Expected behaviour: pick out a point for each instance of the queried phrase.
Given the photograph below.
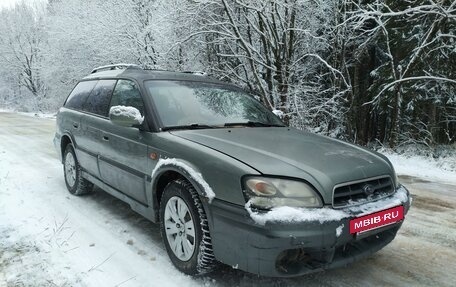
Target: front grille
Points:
(357, 192)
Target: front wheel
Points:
(76, 184)
(185, 230)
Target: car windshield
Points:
(186, 104)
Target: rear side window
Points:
(127, 93)
(79, 95)
(99, 99)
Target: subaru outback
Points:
(223, 176)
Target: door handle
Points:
(105, 138)
(75, 125)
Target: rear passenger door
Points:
(123, 162)
(93, 123)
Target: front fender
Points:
(187, 170)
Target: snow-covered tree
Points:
(21, 37)
(368, 71)
(412, 46)
(275, 48)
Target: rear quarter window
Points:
(79, 95)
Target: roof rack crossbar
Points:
(115, 67)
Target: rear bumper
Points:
(281, 249)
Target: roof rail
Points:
(115, 67)
(198, 73)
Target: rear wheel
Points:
(76, 184)
(185, 230)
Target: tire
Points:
(189, 224)
(72, 171)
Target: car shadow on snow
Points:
(121, 218)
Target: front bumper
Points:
(282, 249)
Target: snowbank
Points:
(31, 114)
(196, 176)
(442, 169)
(40, 115)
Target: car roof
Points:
(141, 75)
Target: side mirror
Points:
(125, 116)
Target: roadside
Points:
(48, 237)
(441, 169)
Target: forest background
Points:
(374, 72)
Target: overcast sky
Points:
(9, 3)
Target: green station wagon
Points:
(223, 176)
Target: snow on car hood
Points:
(322, 161)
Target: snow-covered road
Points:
(50, 238)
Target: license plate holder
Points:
(376, 220)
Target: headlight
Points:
(268, 192)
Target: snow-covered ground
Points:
(48, 237)
(31, 114)
(424, 167)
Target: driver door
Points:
(123, 164)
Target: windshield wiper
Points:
(252, 124)
(196, 126)
(187, 127)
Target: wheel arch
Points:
(64, 141)
(166, 174)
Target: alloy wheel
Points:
(70, 169)
(179, 228)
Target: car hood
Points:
(320, 160)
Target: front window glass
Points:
(181, 103)
(127, 94)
